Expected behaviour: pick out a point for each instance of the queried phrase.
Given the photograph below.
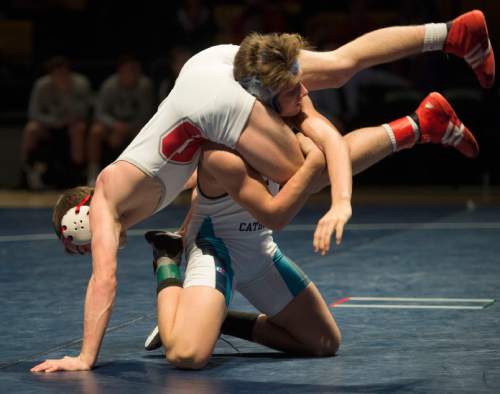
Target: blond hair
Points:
(270, 58)
(69, 199)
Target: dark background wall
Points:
(93, 33)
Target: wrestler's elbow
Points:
(275, 220)
(103, 178)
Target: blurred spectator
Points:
(337, 22)
(259, 16)
(60, 102)
(195, 24)
(178, 55)
(4, 69)
(124, 104)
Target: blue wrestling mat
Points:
(398, 286)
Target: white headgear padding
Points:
(75, 225)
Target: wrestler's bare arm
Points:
(123, 196)
(330, 141)
(249, 190)
(269, 145)
(101, 288)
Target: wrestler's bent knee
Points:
(327, 344)
(186, 358)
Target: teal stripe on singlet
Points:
(210, 244)
(295, 279)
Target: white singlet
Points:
(205, 103)
(227, 248)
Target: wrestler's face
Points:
(290, 99)
(77, 249)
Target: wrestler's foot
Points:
(439, 124)
(468, 38)
(167, 249)
(165, 245)
(153, 341)
(434, 121)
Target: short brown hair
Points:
(69, 199)
(270, 58)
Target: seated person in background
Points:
(60, 101)
(124, 104)
(178, 55)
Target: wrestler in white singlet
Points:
(228, 249)
(205, 103)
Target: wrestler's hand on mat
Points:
(333, 221)
(62, 364)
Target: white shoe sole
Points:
(153, 341)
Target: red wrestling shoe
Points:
(468, 38)
(439, 124)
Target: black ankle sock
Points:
(167, 283)
(239, 324)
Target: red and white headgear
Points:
(75, 224)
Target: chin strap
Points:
(75, 224)
(85, 199)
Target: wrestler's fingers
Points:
(319, 236)
(41, 367)
(339, 231)
(36, 368)
(327, 236)
(323, 234)
(316, 240)
(321, 239)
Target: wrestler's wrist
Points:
(87, 359)
(343, 200)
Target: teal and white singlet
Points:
(228, 249)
